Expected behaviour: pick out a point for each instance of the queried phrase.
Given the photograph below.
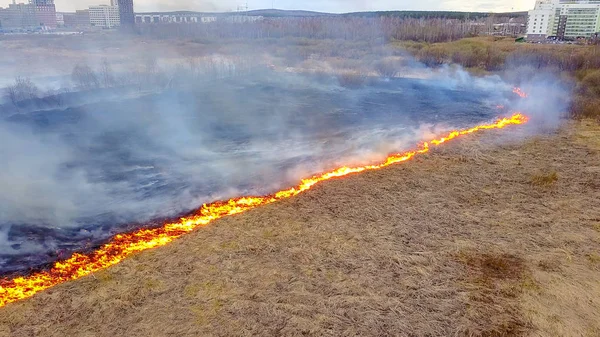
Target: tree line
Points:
(384, 28)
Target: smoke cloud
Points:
(79, 166)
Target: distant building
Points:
(243, 18)
(511, 27)
(35, 13)
(45, 12)
(104, 16)
(192, 17)
(79, 19)
(18, 16)
(564, 19)
(175, 17)
(60, 19)
(126, 14)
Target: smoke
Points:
(188, 132)
(548, 101)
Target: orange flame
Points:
(124, 245)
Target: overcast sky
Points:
(314, 5)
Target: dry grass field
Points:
(484, 237)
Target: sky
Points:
(333, 6)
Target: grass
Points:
(545, 179)
(430, 247)
(549, 265)
(494, 282)
(594, 258)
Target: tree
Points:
(106, 74)
(23, 89)
(85, 77)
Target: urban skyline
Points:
(333, 6)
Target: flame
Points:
(520, 92)
(124, 245)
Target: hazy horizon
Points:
(331, 6)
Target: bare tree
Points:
(23, 89)
(85, 77)
(151, 65)
(106, 74)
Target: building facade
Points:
(35, 13)
(79, 19)
(17, 16)
(145, 18)
(564, 19)
(126, 13)
(45, 12)
(60, 19)
(104, 16)
(541, 20)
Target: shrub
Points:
(585, 107)
(85, 77)
(586, 103)
(386, 68)
(433, 55)
(23, 89)
(591, 83)
(352, 79)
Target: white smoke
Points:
(124, 156)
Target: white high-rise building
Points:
(541, 19)
(568, 19)
(105, 16)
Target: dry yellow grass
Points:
(545, 179)
(459, 242)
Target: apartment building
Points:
(104, 16)
(126, 13)
(79, 19)
(45, 12)
(35, 13)
(564, 19)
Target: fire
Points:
(124, 245)
(520, 92)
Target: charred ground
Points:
(475, 239)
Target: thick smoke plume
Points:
(123, 147)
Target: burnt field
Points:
(88, 165)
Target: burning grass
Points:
(124, 245)
(522, 60)
(434, 247)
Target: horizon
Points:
(326, 6)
